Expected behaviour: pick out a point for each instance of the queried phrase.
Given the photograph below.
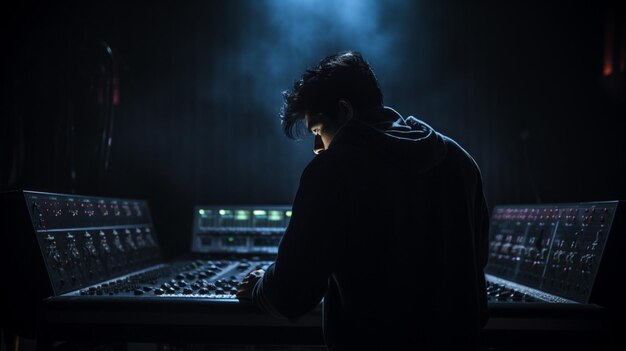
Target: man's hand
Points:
(244, 291)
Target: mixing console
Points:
(108, 247)
(94, 261)
(550, 253)
(81, 246)
(213, 279)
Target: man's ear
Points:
(346, 111)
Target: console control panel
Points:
(85, 239)
(199, 278)
(555, 249)
(239, 229)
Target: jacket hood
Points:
(407, 141)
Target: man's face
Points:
(323, 130)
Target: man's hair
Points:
(344, 75)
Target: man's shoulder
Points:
(460, 154)
(452, 144)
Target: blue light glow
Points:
(280, 38)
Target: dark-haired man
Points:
(389, 223)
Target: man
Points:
(389, 223)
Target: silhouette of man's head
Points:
(325, 88)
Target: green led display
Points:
(242, 215)
(276, 216)
(259, 213)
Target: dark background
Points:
(189, 95)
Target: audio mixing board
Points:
(555, 253)
(102, 254)
(81, 261)
(104, 246)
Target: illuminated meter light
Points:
(242, 215)
(276, 216)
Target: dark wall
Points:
(190, 92)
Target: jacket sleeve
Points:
(298, 279)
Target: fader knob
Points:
(560, 256)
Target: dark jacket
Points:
(390, 227)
